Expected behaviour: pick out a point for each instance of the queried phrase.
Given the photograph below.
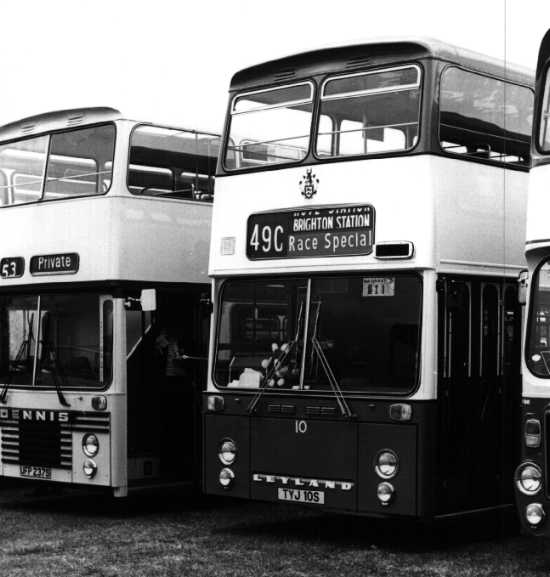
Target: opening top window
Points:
(55, 166)
(270, 126)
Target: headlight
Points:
(385, 493)
(228, 451)
(534, 513)
(386, 464)
(529, 479)
(90, 445)
(89, 467)
(226, 477)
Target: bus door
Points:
(511, 389)
(166, 356)
(486, 428)
(455, 395)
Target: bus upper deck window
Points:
(177, 164)
(375, 112)
(22, 166)
(544, 129)
(270, 126)
(484, 118)
(80, 162)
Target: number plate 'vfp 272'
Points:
(311, 232)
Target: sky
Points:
(171, 61)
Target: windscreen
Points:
(55, 166)
(357, 333)
(370, 113)
(56, 340)
(270, 127)
(538, 337)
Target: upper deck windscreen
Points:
(59, 165)
(270, 126)
(360, 114)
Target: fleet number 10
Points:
(267, 238)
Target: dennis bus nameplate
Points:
(335, 231)
(66, 263)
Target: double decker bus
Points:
(104, 232)
(366, 241)
(532, 475)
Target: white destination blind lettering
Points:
(379, 286)
(46, 264)
(335, 231)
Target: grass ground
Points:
(87, 536)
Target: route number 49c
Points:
(267, 238)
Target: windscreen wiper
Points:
(342, 403)
(282, 359)
(5, 388)
(53, 370)
(59, 390)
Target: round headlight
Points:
(534, 513)
(385, 493)
(228, 451)
(386, 464)
(90, 445)
(226, 477)
(89, 467)
(529, 479)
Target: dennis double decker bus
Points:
(366, 240)
(532, 475)
(103, 261)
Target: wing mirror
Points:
(523, 285)
(146, 302)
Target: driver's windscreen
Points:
(364, 332)
(538, 342)
(69, 346)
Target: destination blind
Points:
(315, 232)
(66, 263)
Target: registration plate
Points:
(302, 496)
(35, 472)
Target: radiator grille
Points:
(46, 443)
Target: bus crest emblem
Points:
(308, 184)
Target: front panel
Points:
(303, 450)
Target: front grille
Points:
(46, 442)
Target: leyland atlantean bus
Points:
(366, 241)
(104, 232)
(532, 475)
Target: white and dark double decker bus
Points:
(532, 475)
(104, 232)
(366, 241)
